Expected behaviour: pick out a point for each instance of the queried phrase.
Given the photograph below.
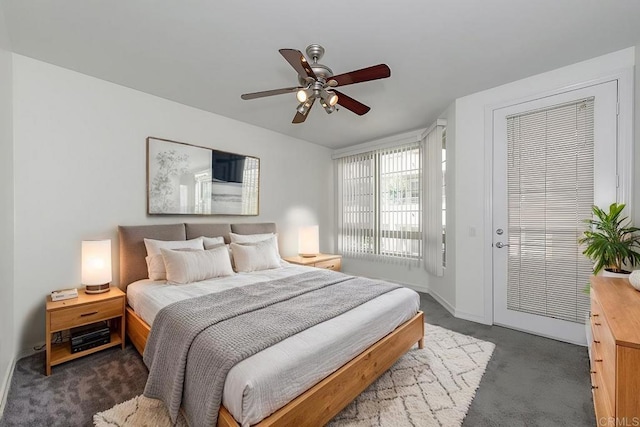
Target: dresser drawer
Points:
(332, 264)
(604, 350)
(87, 313)
(601, 402)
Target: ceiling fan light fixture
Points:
(329, 97)
(328, 108)
(302, 95)
(303, 108)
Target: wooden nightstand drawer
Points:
(85, 314)
(332, 264)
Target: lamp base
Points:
(97, 289)
(308, 255)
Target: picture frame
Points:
(185, 179)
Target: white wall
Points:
(471, 198)
(80, 171)
(6, 212)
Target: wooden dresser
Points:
(615, 352)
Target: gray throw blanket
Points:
(194, 343)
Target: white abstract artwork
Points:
(184, 179)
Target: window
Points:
(380, 203)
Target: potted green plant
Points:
(611, 241)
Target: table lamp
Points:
(308, 241)
(96, 266)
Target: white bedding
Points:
(266, 381)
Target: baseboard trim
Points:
(417, 288)
(471, 317)
(5, 385)
(580, 342)
(443, 302)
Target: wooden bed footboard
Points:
(318, 405)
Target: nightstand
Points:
(328, 261)
(84, 310)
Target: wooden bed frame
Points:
(314, 407)
(318, 405)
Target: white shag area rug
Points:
(429, 387)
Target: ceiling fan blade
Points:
(298, 62)
(380, 71)
(299, 117)
(351, 104)
(262, 94)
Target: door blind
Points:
(549, 191)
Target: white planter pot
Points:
(634, 279)
(606, 273)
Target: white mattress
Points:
(266, 381)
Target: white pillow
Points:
(216, 242)
(155, 265)
(155, 262)
(255, 238)
(187, 267)
(256, 256)
(154, 246)
(212, 242)
(249, 238)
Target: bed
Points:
(315, 395)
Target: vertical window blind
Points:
(380, 204)
(550, 191)
(434, 202)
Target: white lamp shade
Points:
(96, 262)
(308, 240)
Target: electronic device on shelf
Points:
(89, 336)
(63, 294)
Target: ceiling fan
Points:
(316, 82)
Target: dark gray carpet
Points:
(530, 381)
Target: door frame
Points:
(624, 160)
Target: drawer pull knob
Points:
(595, 315)
(330, 267)
(593, 387)
(592, 372)
(597, 324)
(89, 314)
(598, 360)
(596, 341)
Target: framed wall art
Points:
(184, 179)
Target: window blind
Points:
(380, 204)
(434, 202)
(550, 191)
(356, 221)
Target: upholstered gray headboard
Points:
(133, 252)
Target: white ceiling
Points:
(206, 53)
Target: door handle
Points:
(500, 245)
